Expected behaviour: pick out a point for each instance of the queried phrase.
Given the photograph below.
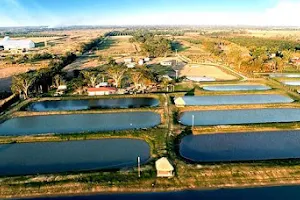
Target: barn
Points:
(9, 44)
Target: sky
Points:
(55, 13)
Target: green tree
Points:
(21, 83)
(117, 73)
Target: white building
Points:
(128, 60)
(141, 62)
(101, 91)
(166, 63)
(130, 65)
(9, 44)
(164, 168)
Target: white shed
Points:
(166, 63)
(141, 62)
(128, 60)
(164, 168)
(179, 102)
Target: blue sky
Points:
(148, 12)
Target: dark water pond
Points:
(89, 104)
(263, 193)
(76, 123)
(241, 146)
(243, 116)
(53, 157)
(236, 99)
(236, 87)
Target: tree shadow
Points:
(106, 44)
(191, 92)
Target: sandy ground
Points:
(196, 70)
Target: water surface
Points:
(241, 146)
(54, 157)
(75, 123)
(243, 116)
(236, 99)
(262, 193)
(236, 87)
(291, 83)
(88, 104)
(285, 75)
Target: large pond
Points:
(236, 87)
(291, 83)
(260, 193)
(54, 157)
(88, 104)
(243, 116)
(236, 99)
(241, 146)
(285, 75)
(76, 123)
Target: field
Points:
(197, 70)
(118, 46)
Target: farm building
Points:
(128, 60)
(166, 63)
(141, 62)
(130, 65)
(101, 91)
(9, 44)
(164, 168)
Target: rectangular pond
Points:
(76, 123)
(236, 87)
(235, 99)
(291, 83)
(88, 104)
(283, 75)
(243, 116)
(54, 157)
(241, 146)
(259, 193)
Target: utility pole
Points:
(139, 166)
(193, 121)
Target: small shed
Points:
(166, 63)
(128, 60)
(130, 65)
(179, 102)
(164, 168)
(141, 62)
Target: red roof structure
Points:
(102, 89)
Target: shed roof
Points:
(163, 164)
(179, 101)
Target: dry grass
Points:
(198, 70)
(118, 45)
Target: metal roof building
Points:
(10, 44)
